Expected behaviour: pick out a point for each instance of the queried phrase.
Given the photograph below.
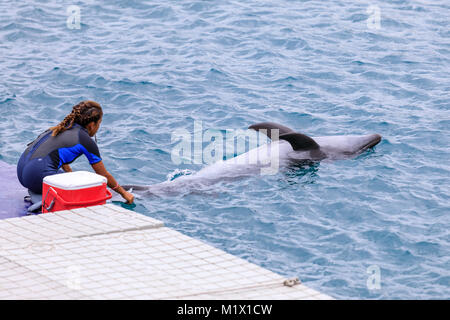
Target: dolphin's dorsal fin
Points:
(269, 126)
(297, 140)
(300, 141)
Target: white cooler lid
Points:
(75, 180)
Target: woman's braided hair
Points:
(83, 113)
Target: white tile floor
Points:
(108, 252)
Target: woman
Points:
(60, 145)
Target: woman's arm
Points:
(100, 169)
(66, 168)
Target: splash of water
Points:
(178, 173)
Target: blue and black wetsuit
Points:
(45, 155)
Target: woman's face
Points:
(93, 127)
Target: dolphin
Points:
(318, 148)
(286, 147)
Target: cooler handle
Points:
(57, 196)
(51, 203)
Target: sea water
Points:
(376, 226)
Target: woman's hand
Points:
(128, 196)
(100, 169)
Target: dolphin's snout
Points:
(375, 139)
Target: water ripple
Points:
(314, 66)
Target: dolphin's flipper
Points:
(299, 141)
(269, 126)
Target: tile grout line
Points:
(156, 225)
(43, 276)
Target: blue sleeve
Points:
(92, 157)
(89, 148)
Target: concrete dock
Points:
(108, 252)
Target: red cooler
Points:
(73, 190)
